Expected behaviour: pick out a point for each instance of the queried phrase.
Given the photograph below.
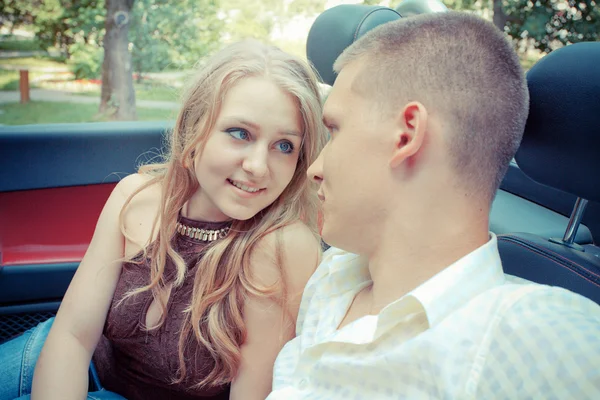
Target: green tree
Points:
(543, 24)
(117, 94)
(552, 23)
(259, 18)
(458, 5)
(58, 23)
(17, 12)
(305, 7)
(251, 19)
(165, 34)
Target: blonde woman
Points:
(192, 281)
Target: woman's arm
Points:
(267, 330)
(62, 369)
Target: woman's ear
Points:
(411, 128)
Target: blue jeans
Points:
(17, 363)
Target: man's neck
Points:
(402, 262)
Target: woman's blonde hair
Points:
(223, 278)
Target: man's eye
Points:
(238, 133)
(285, 147)
(331, 129)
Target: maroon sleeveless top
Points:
(141, 364)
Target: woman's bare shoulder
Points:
(135, 181)
(142, 211)
(300, 255)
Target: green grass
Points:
(50, 112)
(9, 79)
(20, 45)
(46, 62)
(145, 91)
(148, 91)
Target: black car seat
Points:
(561, 149)
(340, 26)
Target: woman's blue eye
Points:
(238, 133)
(285, 147)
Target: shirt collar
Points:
(345, 271)
(445, 292)
(454, 286)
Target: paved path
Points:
(65, 97)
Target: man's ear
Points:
(411, 124)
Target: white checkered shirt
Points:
(470, 332)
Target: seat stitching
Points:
(365, 17)
(578, 273)
(559, 264)
(566, 260)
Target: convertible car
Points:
(55, 178)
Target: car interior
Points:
(55, 178)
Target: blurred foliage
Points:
(258, 19)
(56, 23)
(163, 33)
(542, 24)
(174, 35)
(12, 44)
(85, 61)
(548, 24)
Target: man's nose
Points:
(256, 162)
(315, 171)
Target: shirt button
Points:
(303, 384)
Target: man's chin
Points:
(328, 235)
(341, 237)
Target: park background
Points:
(76, 51)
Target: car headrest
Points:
(561, 143)
(339, 27)
(407, 8)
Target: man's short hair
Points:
(460, 67)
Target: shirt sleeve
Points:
(545, 346)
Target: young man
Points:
(425, 116)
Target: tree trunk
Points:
(105, 94)
(499, 15)
(117, 76)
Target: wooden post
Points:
(24, 85)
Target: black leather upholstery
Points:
(561, 146)
(519, 184)
(339, 27)
(536, 259)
